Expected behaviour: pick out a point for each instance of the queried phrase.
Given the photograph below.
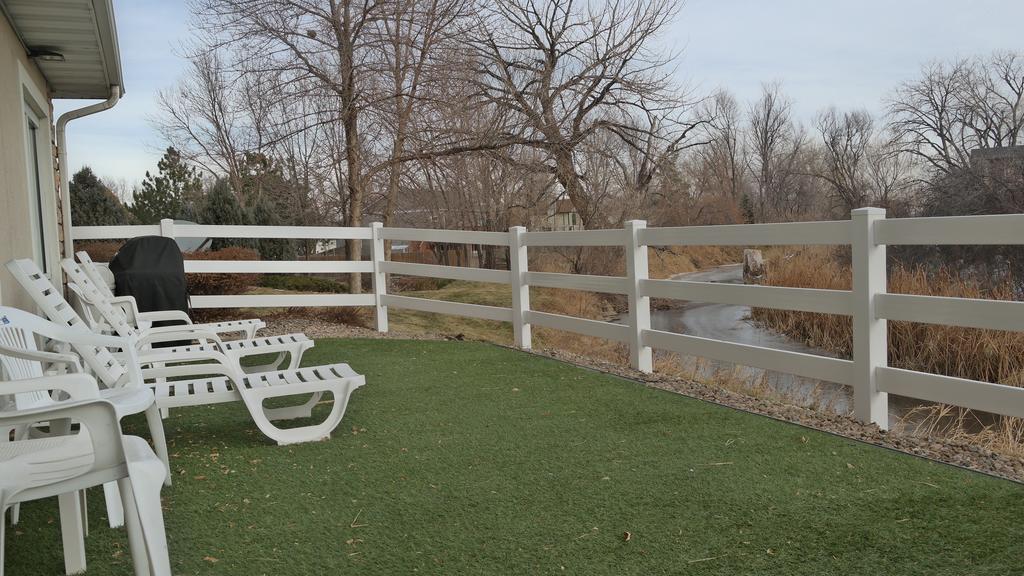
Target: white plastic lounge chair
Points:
(20, 359)
(229, 384)
(98, 453)
(143, 320)
(48, 298)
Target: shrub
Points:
(99, 251)
(199, 284)
(417, 284)
(298, 283)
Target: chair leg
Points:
(71, 532)
(115, 511)
(156, 431)
(146, 485)
(3, 529)
(84, 502)
(136, 540)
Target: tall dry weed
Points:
(986, 355)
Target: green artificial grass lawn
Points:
(466, 458)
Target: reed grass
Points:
(986, 355)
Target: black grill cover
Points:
(151, 269)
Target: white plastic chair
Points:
(213, 376)
(113, 318)
(143, 320)
(98, 453)
(20, 359)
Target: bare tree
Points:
(199, 116)
(959, 106)
(861, 166)
(563, 70)
(774, 143)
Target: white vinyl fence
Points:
(867, 232)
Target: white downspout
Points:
(62, 160)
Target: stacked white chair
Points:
(112, 318)
(144, 320)
(21, 359)
(204, 376)
(61, 463)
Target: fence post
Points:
(641, 357)
(518, 265)
(380, 282)
(870, 339)
(167, 228)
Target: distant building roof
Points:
(1002, 152)
(564, 206)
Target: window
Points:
(40, 238)
(35, 191)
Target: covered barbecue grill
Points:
(151, 269)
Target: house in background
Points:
(562, 215)
(49, 49)
(1003, 165)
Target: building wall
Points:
(23, 91)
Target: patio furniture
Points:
(21, 359)
(229, 384)
(144, 320)
(50, 301)
(62, 465)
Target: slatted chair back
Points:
(108, 369)
(16, 337)
(93, 271)
(92, 298)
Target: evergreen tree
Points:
(173, 193)
(220, 206)
(263, 214)
(92, 202)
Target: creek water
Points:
(733, 323)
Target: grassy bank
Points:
(987, 355)
(464, 458)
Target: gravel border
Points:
(954, 452)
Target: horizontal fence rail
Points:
(867, 233)
(453, 308)
(798, 363)
(583, 282)
(447, 236)
(799, 299)
(788, 234)
(447, 272)
(996, 229)
(276, 267)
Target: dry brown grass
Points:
(663, 263)
(986, 355)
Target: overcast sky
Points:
(847, 53)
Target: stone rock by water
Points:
(753, 266)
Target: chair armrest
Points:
(193, 363)
(164, 315)
(76, 386)
(72, 362)
(98, 416)
(128, 306)
(155, 335)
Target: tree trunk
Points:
(565, 172)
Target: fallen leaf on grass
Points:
(211, 559)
